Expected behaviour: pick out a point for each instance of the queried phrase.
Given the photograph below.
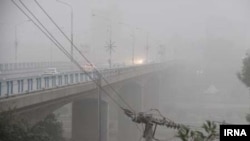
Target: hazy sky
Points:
(177, 24)
(211, 34)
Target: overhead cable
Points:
(87, 60)
(54, 41)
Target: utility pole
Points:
(99, 107)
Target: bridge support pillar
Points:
(150, 94)
(131, 93)
(85, 120)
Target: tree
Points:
(183, 133)
(49, 128)
(12, 128)
(209, 133)
(210, 128)
(244, 75)
(248, 118)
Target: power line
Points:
(52, 38)
(64, 51)
(152, 122)
(55, 41)
(37, 25)
(108, 84)
(55, 38)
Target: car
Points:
(89, 67)
(51, 71)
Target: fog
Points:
(186, 28)
(209, 37)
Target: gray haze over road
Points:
(209, 36)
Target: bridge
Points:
(35, 97)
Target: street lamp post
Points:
(133, 48)
(110, 44)
(16, 40)
(72, 36)
(147, 48)
(133, 41)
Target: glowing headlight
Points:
(139, 61)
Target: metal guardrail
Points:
(24, 85)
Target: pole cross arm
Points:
(148, 118)
(150, 122)
(128, 113)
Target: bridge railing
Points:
(25, 85)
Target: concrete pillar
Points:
(64, 115)
(85, 120)
(151, 92)
(113, 122)
(131, 92)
